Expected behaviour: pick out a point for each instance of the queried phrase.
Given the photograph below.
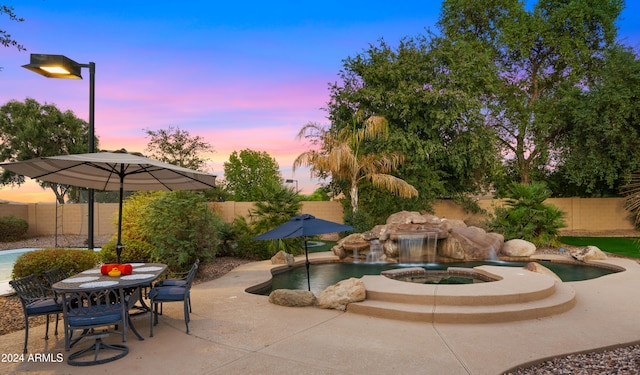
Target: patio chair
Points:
(35, 302)
(182, 281)
(88, 310)
(170, 293)
(53, 276)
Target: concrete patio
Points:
(234, 332)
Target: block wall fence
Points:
(583, 216)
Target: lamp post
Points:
(290, 181)
(59, 66)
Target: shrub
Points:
(12, 228)
(71, 261)
(277, 205)
(360, 220)
(181, 228)
(243, 245)
(133, 214)
(228, 233)
(525, 215)
(133, 250)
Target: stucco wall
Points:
(584, 216)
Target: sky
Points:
(241, 75)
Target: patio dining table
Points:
(142, 275)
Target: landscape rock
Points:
(352, 238)
(380, 232)
(518, 248)
(283, 257)
(339, 252)
(476, 243)
(539, 268)
(451, 223)
(451, 247)
(406, 217)
(588, 253)
(292, 298)
(339, 295)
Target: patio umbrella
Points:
(304, 225)
(112, 170)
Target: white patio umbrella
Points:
(112, 170)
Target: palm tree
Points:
(342, 157)
(631, 190)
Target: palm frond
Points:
(393, 184)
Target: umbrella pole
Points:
(119, 243)
(306, 253)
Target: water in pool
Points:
(7, 259)
(326, 274)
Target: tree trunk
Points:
(354, 197)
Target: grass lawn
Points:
(625, 246)
(326, 247)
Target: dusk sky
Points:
(240, 75)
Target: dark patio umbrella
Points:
(304, 225)
(116, 170)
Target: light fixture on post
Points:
(59, 66)
(290, 181)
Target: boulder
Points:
(391, 249)
(283, 257)
(406, 217)
(342, 251)
(450, 247)
(292, 298)
(432, 219)
(452, 223)
(539, 268)
(339, 252)
(352, 238)
(518, 248)
(338, 296)
(476, 243)
(380, 232)
(588, 253)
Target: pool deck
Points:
(234, 332)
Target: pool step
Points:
(519, 295)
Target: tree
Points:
(320, 194)
(248, 171)
(277, 205)
(343, 157)
(29, 130)
(178, 147)
(535, 57)
(526, 216)
(631, 191)
(435, 121)
(600, 146)
(5, 37)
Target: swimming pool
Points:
(324, 274)
(8, 259)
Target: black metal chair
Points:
(35, 302)
(89, 310)
(172, 293)
(53, 276)
(180, 281)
